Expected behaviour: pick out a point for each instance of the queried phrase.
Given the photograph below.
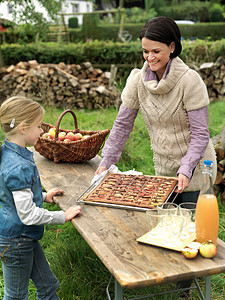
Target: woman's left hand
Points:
(51, 193)
(183, 183)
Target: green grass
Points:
(81, 274)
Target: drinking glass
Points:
(189, 206)
(168, 208)
(173, 226)
(187, 221)
(155, 223)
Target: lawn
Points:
(82, 275)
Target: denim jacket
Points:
(17, 172)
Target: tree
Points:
(29, 16)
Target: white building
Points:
(76, 6)
(70, 6)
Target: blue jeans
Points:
(23, 259)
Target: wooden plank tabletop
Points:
(112, 233)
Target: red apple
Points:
(77, 136)
(67, 141)
(189, 252)
(70, 135)
(47, 136)
(208, 249)
(62, 136)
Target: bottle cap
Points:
(208, 163)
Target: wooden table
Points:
(112, 234)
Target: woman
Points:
(173, 100)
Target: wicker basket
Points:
(75, 151)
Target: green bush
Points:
(208, 31)
(73, 22)
(201, 51)
(89, 27)
(138, 15)
(189, 10)
(105, 53)
(94, 30)
(216, 13)
(199, 30)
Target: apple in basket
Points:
(62, 136)
(52, 131)
(70, 136)
(77, 136)
(47, 136)
(86, 136)
(67, 141)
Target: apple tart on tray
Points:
(130, 191)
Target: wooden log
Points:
(221, 165)
(47, 81)
(223, 179)
(218, 189)
(219, 176)
(219, 140)
(219, 153)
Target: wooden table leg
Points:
(118, 291)
(207, 287)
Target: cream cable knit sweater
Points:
(164, 107)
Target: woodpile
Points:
(219, 146)
(60, 85)
(213, 74)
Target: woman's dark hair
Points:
(163, 30)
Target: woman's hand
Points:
(183, 183)
(72, 212)
(51, 193)
(100, 170)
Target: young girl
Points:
(22, 216)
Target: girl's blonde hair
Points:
(17, 110)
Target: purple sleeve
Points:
(198, 120)
(119, 135)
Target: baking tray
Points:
(95, 184)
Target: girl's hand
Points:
(51, 193)
(100, 170)
(183, 183)
(72, 212)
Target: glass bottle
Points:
(207, 211)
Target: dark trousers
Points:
(185, 197)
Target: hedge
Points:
(212, 31)
(99, 52)
(95, 31)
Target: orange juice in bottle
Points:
(207, 211)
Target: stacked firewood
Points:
(219, 146)
(213, 74)
(60, 85)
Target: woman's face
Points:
(157, 55)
